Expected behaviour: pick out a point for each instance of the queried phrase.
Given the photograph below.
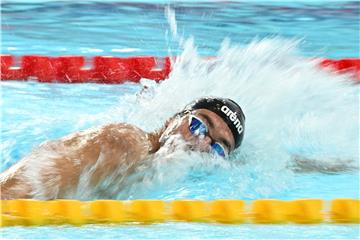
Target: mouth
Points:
(191, 146)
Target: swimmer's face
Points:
(218, 133)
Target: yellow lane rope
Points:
(263, 211)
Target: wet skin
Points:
(77, 165)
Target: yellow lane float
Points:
(27, 212)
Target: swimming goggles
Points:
(198, 128)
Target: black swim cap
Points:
(228, 110)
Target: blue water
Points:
(133, 28)
(292, 107)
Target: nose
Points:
(204, 143)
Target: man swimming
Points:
(101, 158)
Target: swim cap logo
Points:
(233, 118)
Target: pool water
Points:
(293, 109)
(328, 28)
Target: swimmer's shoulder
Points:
(119, 129)
(111, 130)
(123, 133)
(126, 138)
(113, 135)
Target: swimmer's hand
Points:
(332, 166)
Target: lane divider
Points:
(115, 70)
(71, 69)
(26, 212)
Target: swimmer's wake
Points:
(297, 117)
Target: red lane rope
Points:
(70, 69)
(114, 70)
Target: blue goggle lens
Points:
(199, 128)
(218, 149)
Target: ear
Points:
(166, 125)
(176, 119)
(177, 115)
(168, 122)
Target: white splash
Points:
(293, 109)
(171, 18)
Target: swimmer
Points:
(111, 153)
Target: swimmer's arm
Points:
(55, 168)
(121, 147)
(302, 164)
(12, 186)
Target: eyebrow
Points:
(211, 123)
(207, 119)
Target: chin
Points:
(174, 140)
